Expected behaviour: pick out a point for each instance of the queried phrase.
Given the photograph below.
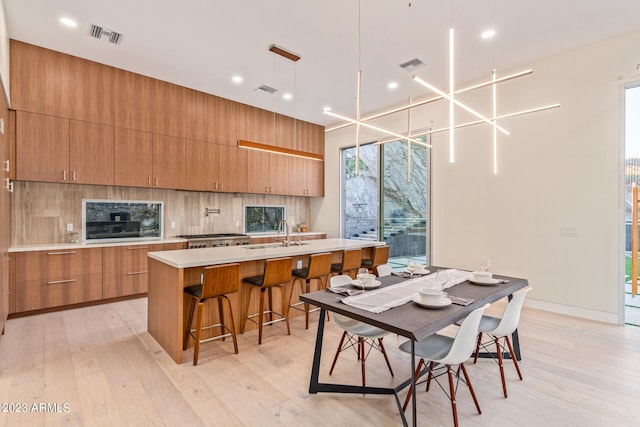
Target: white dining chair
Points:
(384, 270)
(447, 352)
(500, 328)
(357, 334)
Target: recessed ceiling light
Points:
(392, 85)
(69, 22)
(488, 34)
(287, 96)
(237, 79)
(326, 109)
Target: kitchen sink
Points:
(275, 245)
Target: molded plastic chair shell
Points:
(384, 270)
(355, 328)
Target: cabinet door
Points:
(309, 137)
(232, 169)
(46, 293)
(315, 178)
(91, 154)
(133, 162)
(258, 172)
(278, 173)
(42, 148)
(285, 131)
(168, 162)
(134, 101)
(202, 172)
(297, 176)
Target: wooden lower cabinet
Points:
(57, 278)
(49, 292)
(125, 268)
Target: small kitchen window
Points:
(263, 218)
(121, 220)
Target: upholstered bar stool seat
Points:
(277, 272)
(351, 261)
(379, 256)
(218, 281)
(319, 268)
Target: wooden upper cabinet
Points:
(309, 137)
(315, 178)
(170, 115)
(53, 83)
(134, 101)
(201, 159)
(133, 158)
(91, 153)
(285, 131)
(232, 169)
(225, 121)
(267, 173)
(260, 124)
(196, 126)
(42, 148)
(168, 162)
(306, 177)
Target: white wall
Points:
(560, 168)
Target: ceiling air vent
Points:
(267, 89)
(105, 35)
(411, 65)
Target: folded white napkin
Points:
(383, 299)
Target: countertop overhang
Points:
(186, 258)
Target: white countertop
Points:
(292, 235)
(221, 255)
(81, 245)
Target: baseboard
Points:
(573, 311)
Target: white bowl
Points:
(482, 276)
(367, 279)
(430, 296)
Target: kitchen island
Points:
(171, 271)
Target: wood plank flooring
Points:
(101, 362)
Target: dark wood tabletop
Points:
(413, 321)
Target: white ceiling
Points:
(200, 44)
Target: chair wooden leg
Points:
(384, 353)
(362, 359)
(335, 359)
(475, 357)
(231, 324)
(473, 393)
(187, 327)
(513, 356)
(417, 374)
(499, 354)
(306, 289)
(293, 285)
(432, 365)
(452, 391)
(270, 295)
(196, 349)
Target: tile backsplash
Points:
(40, 212)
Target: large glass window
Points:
(389, 199)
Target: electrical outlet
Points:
(69, 227)
(173, 224)
(299, 264)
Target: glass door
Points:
(360, 193)
(404, 213)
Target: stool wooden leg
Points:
(231, 325)
(306, 290)
(196, 349)
(284, 304)
(260, 315)
(221, 316)
(270, 295)
(187, 326)
(245, 314)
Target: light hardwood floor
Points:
(102, 363)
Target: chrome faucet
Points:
(286, 229)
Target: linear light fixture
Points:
(494, 121)
(284, 53)
(452, 101)
(279, 150)
(430, 100)
(367, 125)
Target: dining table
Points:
(410, 320)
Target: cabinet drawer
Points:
(57, 263)
(123, 258)
(46, 293)
(122, 283)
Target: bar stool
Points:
(351, 261)
(379, 256)
(218, 281)
(277, 271)
(319, 268)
